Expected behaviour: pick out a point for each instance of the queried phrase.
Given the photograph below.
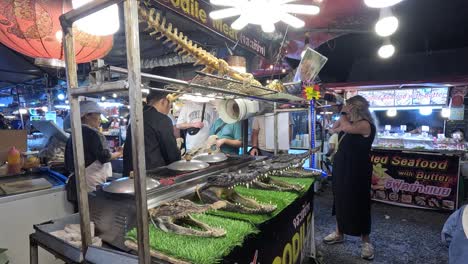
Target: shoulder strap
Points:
(339, 141)
(219, 128)
(337, 147)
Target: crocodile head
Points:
(265, 182)
(301, 173)
(221, 188)
(288, 161)
(175, 216)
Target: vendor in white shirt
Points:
(258, 138)
(191, 117)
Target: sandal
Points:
(367, 251)
(333, 238)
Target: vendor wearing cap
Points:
(97, 154)
(160, 144)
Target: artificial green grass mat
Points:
(200, 250)
(280, 199)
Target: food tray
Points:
(44, 237)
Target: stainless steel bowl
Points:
(127, 185)
(211, 158)
(183, 165)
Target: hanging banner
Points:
(198, 11)
(428, 181)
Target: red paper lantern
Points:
(32, 27)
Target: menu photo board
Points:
(406, 97)
(419, 180)
(439, 96)
(403, 97)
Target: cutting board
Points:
(25, 186)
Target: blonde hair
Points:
(360, 109)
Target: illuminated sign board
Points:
(407, 97)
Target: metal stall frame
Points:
(133, 86)
(311, 250)
(136, 111)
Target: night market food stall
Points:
(247, 200)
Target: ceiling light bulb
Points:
(386, 51)
(386, 26)
(425, 111)
(102, 23)
(268, 27)
(61, 96)
(240, 23)
(292, 20)
(103, 98)
(23, 111)
(114, 95)
(302, 9)
(225, 13)
(45, 109)
(391, 112)
(222, 2)
(381, 3)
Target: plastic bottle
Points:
(14, 161)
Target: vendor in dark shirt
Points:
(160, 143)
(97, 154)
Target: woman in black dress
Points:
(352, 173)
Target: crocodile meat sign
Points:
(198, 12)
(428, 181)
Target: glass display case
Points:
(404, 141)
(417, 142)
(449, 144)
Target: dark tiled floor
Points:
(407, 236)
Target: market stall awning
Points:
(15, 68)
(336, 18)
